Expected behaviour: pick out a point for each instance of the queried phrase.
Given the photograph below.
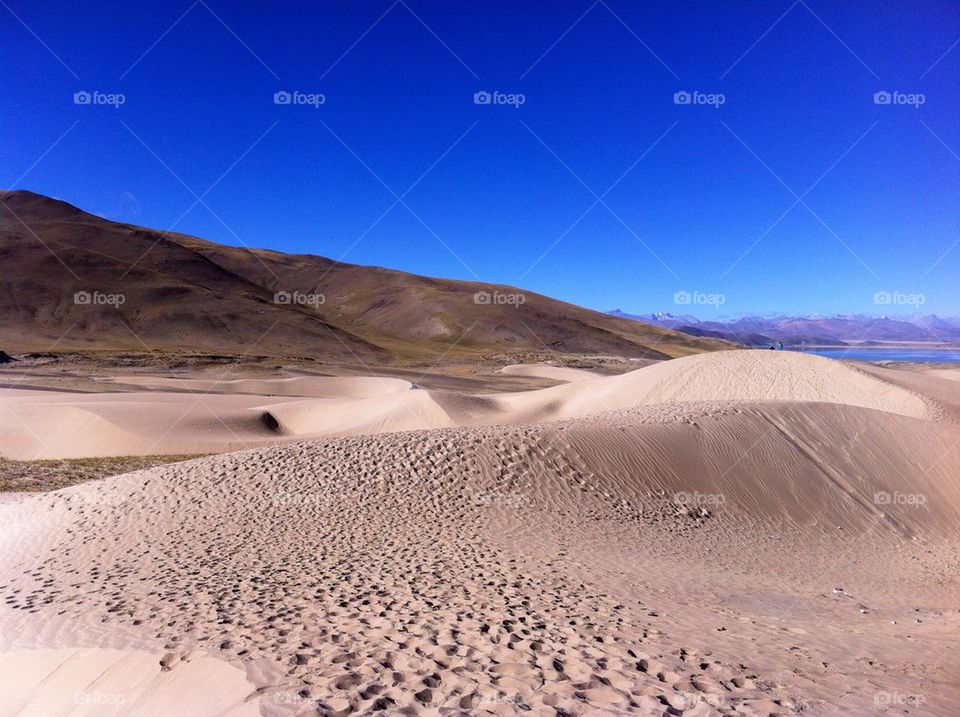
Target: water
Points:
(890, 354)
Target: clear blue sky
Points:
(501, 188)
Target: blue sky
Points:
(799, 193)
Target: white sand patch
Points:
(95, 682)
(556, 373)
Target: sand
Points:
(739, 533)
(184, 416)
(563, 374)
(99, 681)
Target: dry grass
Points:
(42, 476)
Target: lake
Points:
(890, 354)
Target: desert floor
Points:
(744, 532)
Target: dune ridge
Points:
(207, 416)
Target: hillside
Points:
(145, 289)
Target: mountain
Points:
(661, 319)
(840, 330)
(73, 281)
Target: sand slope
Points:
(721, 376)
(99, 682)
(564, 374)
(209, 416)
(302, 386)
(670, 559)
(746, 533)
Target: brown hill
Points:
(78, 281)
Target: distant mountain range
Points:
(839, 330)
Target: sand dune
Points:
(48, 424)
(746, 533)
(304, 386)
(721, 376)
(209, 416)
(405, 411)
(676, 558)
(556, 373)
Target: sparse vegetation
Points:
(42, 476)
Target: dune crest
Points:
(216, 416)
(752, 375)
